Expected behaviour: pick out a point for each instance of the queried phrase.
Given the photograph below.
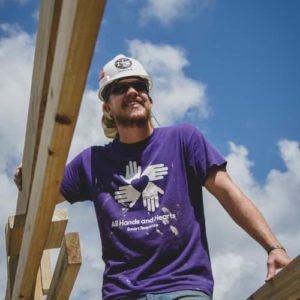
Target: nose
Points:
(131, 90)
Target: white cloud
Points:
(174, 93)
(238, 262)
(233, 264)
(88, 129)
(232, 251)
(36, 15)
(168, 11)
(16, 57)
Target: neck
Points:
(130, 135)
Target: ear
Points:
(150, 99)
(106, 107)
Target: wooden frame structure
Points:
(65, 43)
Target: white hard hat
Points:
(121, 67)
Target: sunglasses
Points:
(119, 88)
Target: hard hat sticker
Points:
(123, 63)
(101, 75)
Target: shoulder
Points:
(184, 131)
(88, 154)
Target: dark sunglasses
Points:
(119, 88)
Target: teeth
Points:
(132, 103)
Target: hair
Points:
(110, 127)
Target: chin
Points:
(138, 119)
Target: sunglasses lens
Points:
(121, 88)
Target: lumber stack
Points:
(65, 43)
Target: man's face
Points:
(129, 103)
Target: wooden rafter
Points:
(76, 36)
(50, 11)
(15, 230)
(284, 286)
(67, 267)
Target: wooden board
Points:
(76, 38)
(67, 268)
(15, 230)
(284, 286)
(50, 11)
(46, 272)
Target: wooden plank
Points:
(38, 293)
(14, 232)
(78, 29)
(16, 225)
(45, 45)
(67, 268)
(11, 266)
(285, 285)
(46, 272)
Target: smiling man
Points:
(146, 186)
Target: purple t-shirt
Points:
(149, 207)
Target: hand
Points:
(277, 259)
(18, 177)
(155, 172)
(132, 172)
(150, 196)
(127, 195)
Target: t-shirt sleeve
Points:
(202, 156)
(74, 186)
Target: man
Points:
(146, 186)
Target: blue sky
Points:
(231, 68)
(246, 53)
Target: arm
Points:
(246, 215)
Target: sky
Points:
(230, 68)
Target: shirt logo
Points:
(141, 184)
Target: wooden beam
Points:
(77, 34)
(12, 263)
(67, 268)
(15, 230)
(14, 233)
(46, 272)
(38, 293)
(43, 60)
(285, 285)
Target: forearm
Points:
(241, 209)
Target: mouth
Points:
(132, 103)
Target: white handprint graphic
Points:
(150, 196)
(155, 172)
(141, 183)
(127, 195)
(132, 172)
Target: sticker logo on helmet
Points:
(101, 75)
(123, 63)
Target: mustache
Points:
(129, 100)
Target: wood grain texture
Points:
(15, 230)
(284, 286)
(67, 268)
(76, 38)
(46, 272)
(50, 11)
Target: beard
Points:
(135, 120)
